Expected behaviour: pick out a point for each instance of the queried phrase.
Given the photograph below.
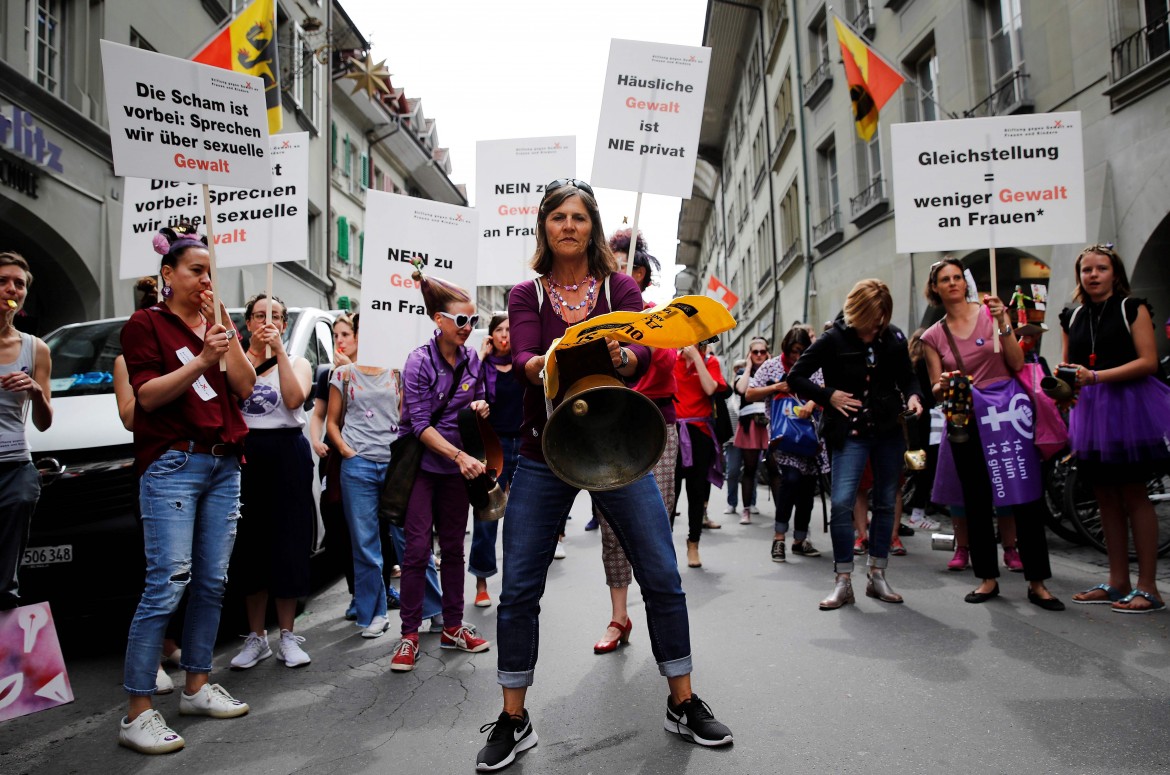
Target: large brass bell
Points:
(603, 435)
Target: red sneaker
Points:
(404, 655)
(482, 599)
(896, 547)
(464, 639)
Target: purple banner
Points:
(1004, 414)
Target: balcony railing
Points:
(828, 228)
(816, 87)
(792, 254)
(1010, 97)
(1142, 47)
(782, 137)
(863, 22)
(868, 200)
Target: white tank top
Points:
(14, 406)
(265, 409)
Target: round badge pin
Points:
(979, 342)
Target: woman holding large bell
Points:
(579, 279)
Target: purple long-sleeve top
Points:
(533, 330)
(426, 380)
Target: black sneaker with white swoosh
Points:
(692, 719)
(509, 736)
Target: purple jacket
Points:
(426, 381)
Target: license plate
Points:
(47, 555)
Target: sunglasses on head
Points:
(562, 182)
(1105, 249)
(461, 320)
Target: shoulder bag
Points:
(791, 434)
(406, 453)
(331, 491)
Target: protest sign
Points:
(685, 321)
(989, 182)
(510, 176)
(651, 113)
(171, 119)
(250, 226)
(400, 229)
(32, 668)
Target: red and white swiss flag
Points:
(721, 293)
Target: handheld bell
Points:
(603, 435)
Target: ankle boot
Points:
(693, 554)
(842, 594)
(879, 588)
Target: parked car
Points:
(85, 549)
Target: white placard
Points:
(989, 182)
(510, 176)
(171, 119)
(399, 228)
(651, 113)
(250, 226)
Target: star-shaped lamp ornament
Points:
(373, 78)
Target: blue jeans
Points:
(884, 453)
(481, 563)
(733, 466)
(537, 507)
(432, 593)
(361, 486)
(190, 508)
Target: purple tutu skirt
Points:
(1122, 422)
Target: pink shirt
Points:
(980, 360)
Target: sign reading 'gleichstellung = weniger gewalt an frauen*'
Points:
(989, 182)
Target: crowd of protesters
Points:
(226, 467)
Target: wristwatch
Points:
(625, 356)
(1005, 330)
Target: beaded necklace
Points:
(558, 301)
(1093, 324)
(569, 288)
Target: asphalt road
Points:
(932, 686)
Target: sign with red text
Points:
(249, 225)
(171, 119)
(399, 230)
(32, 669)
(721, 293)
(510, 176)
(651, 113)
(989, 182)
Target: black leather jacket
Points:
(844, 362)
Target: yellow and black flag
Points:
(248, 45)
(871, 81)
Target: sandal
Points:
(1111, 595)
(1155, 603)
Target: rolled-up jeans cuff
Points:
(843, 567)
(138, 692)
(878, 562)
(676, 667)
(521, 680)
(481, 574)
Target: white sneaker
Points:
(922, 522)
(376, 628)
(163, 683)
(211, 700)
(289, 650)
(559, 552)
(149, 733)
(729, 510)
(753, 510)
(255, 649)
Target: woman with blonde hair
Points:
(868, 382)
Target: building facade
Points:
(60, 202)
(965, 58)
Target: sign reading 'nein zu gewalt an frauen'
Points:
(651, 113)
(510, 177)
(250, 225)
(399, 230)
(989, 182)
(171, 119)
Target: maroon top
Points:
(533, 331)
(151, 340)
